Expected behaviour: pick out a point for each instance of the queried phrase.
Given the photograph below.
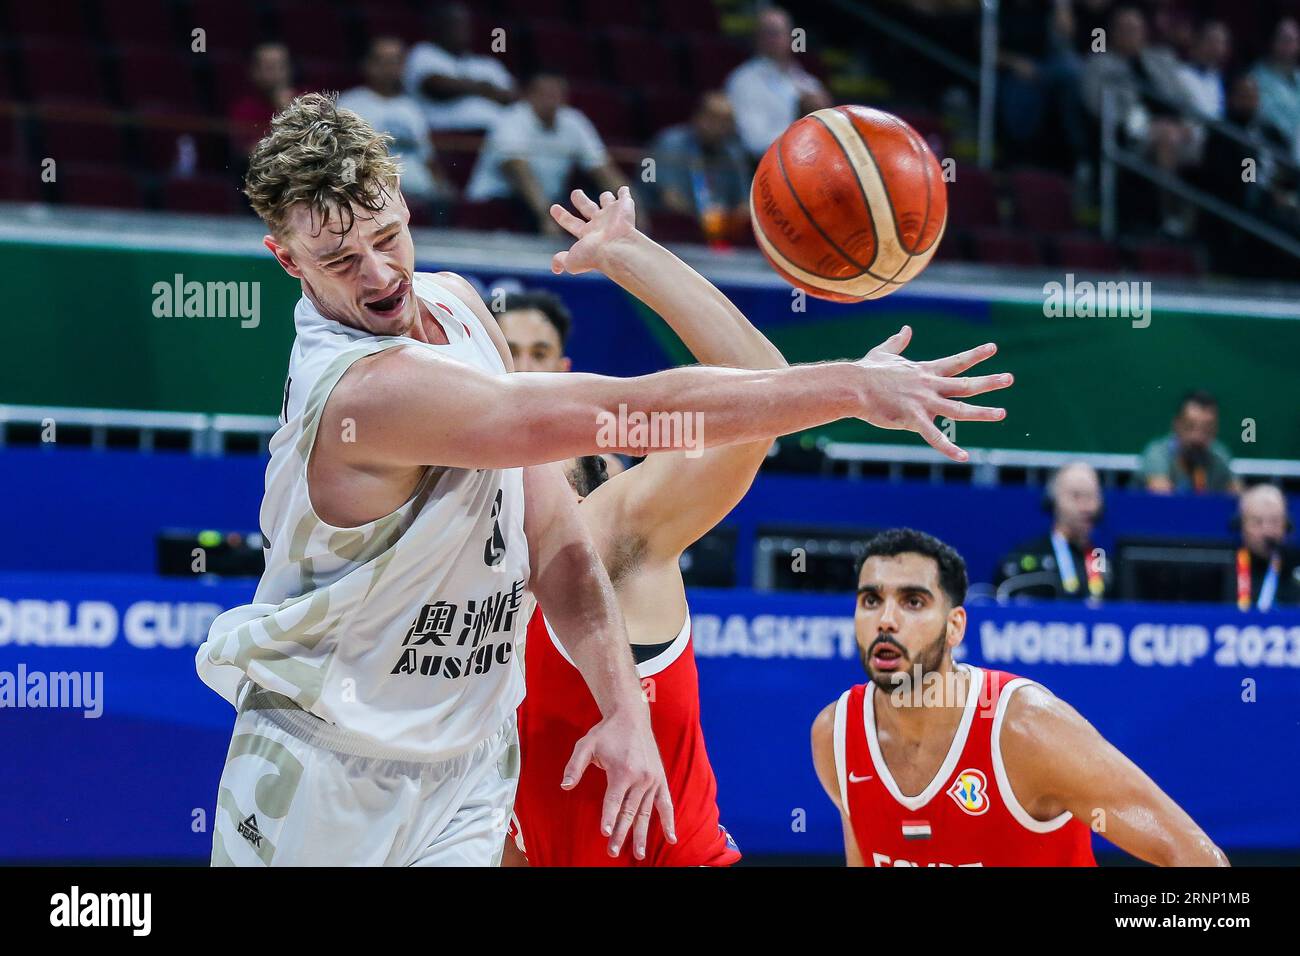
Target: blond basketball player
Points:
(410, 519)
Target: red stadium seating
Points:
(1005, 246)
(47, 21)
(688, 16)
(666, 107)
(230, 26)
(713, 58)
(314, 30)
(159, 132)
(1086, 252)
(19, 181)
(639, 58)
(1162, 259)
(212, 194)
(1044, 202)
(608, 110)
(144, 23)
(108, 186)
(147, 76)
(494, 215)
(389, 19)
(666, 226)
(605, 13)
(77, 141)
(973, 199)
(64, 71)
(565, 50)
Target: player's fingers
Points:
(615, 795)
(567, 220)
(956, 364)
(582, 202)
(557, 262)
(624, 818)
(961, 412)
(641, 825)
(583, 751)
(896, 342)
(606, 198)
(667, 816)
(975, 385)
(939, 441)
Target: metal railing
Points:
(207, 434)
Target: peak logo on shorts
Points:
(970, 791)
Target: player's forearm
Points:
(574, 592)
(716, 332)
(579, 414)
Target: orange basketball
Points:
(849, 204)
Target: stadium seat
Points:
(608, 110)
(457, 151)
(560, 48)
(667, 226)
(664, 107)
(19, 181)
(162, 136)
(47, 22)
(1164, 259)
(211, 194)
(315, 31)
(713, 58)
(495, 215)
(1044, 202)
(1086, 252)
(603, 13)
(688, 16)
(559, 10)
(230, 26)
(228, 76)
(147, 76)
(973, 199)
(638, 58)
(1004, 247)
(93, 185)
(145, 23)
(389, 19)
(321, 75)
(64, 71)
(82, 141)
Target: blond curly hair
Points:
(319, 154)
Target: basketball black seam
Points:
(862, 270)
(889, 197)
(912, 137)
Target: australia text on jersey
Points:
(431, 650)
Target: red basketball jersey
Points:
(968, 815)
(562, 827)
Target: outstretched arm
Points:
(1057, 761)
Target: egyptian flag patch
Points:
(916, 830)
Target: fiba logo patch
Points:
(970, 792)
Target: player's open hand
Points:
(625, 748)
(902, 394)
(596, 227)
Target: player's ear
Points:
(282, 256)
(956, 626)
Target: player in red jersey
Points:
(640, 522)
(933, 763)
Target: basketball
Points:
(848, 204)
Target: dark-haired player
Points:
(933, 763)
(640, 522)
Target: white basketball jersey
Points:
(403, 632)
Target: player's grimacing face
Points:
(903, 619)
(363, 281)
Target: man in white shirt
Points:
(1202, 78)
(457, 88)
(771, 91)
(382, 104)
(535, 146)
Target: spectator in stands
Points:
(533, 149)
(1202, 77)
(701, 169)
(1268, 573)
(536, 325)
(1064, 563)
(1190, 458)
(382, 104)
(1278, 77)
(271, 75)
(771, 90)
(1146, 95)
(458, 88)
(1039, 81)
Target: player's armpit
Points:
(1057, 761)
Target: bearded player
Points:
(933, 763)
(640, 522)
